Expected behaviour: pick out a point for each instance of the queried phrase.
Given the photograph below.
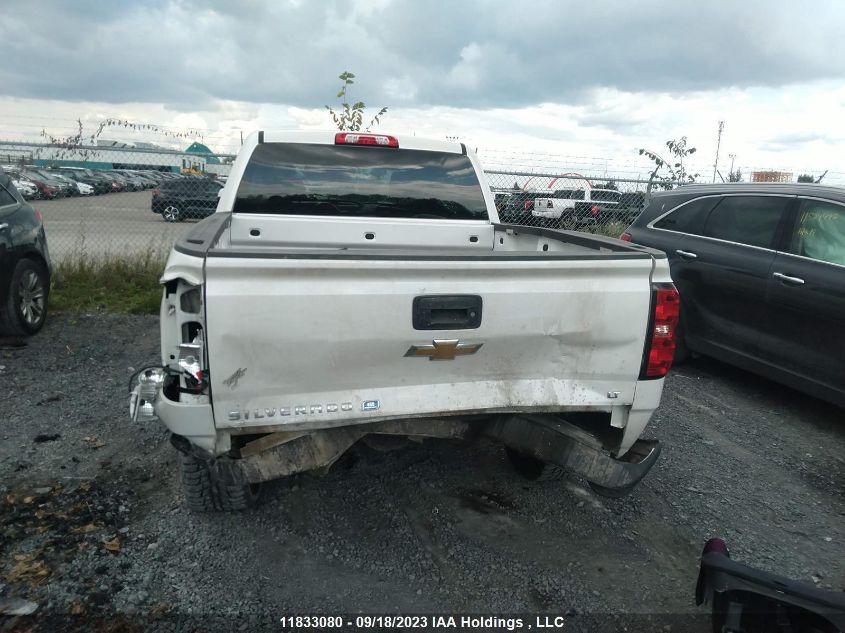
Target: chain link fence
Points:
(567, 200)
(125, 200)
(115, 201)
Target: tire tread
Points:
(205, 493)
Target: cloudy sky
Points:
(538, 82)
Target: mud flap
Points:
(556, 441)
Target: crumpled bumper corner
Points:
(556, 441)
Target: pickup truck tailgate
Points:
(312, 341)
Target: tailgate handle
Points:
(447, 312)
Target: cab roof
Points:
(327, 137)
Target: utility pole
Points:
(242, 138)
(733, 158)
(718, 145)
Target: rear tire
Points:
(24, 310)
(204, 492)
(532, 468)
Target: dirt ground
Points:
(92, 525)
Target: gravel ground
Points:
(91, 520)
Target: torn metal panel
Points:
(286, 454)
(551, 440)
(564, 444)
(269, 441)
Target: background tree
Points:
(610, 184)
(669, 173)
(350, 116)
(735, 176)
(806, 178)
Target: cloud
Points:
(439, 52)
(547, 138)
(532, 83)
(795, 138)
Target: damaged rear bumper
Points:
(549, 438)
(556, 441)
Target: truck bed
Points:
(212, 237)
(321, 336)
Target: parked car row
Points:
(46, 183)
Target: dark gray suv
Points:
(761, 273)
(24, 264)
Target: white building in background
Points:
(116, 155)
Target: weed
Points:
(114, 283)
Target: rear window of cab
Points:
(346, 181)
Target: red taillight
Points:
(379, 140)
(528, 204)
(625, 237)
(660, 349)
(594, 210)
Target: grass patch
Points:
(114, 283)
(610, 229)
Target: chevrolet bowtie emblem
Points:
(443, 350)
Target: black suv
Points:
(186, 198)
(24, 264)
(761, 273)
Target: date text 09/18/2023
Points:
(426, 622)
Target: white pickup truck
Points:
(574, 207)
(354, 285)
